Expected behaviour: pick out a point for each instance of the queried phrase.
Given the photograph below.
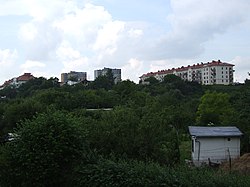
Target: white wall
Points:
(216, 148)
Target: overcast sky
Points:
(49, 37)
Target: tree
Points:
(104, 81)
(19, 110)
(214, 108)
(45, 151)
(152, 80)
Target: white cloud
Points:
(169, 64)
(194, 22)
(241, 68)
(32, 64)
(28, 31)
(82, 23)
(71, 59)
(7, 62)
(7, 57)
(135, 33)
(132, 70)
(12, 7)
(108, 36)
(67, 35)
(65, 52)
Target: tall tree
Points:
(214, 108)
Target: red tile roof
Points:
(25, 77)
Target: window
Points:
(222, 80)
(221, 67)
(193, 142)
(228, 139)
(222, 76)
(222, 72)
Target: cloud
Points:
(7, 62)
(71, 59)
(241, 68)
(132, 70)
(67, 35)
(12, 7)
(194, 22)
(32, 64)
(107, 37)
(7, 57)
(135, 33)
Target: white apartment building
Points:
(215, 72)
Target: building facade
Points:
(116, 74)
(215, 72)
(73, 76)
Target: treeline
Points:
(58, 135)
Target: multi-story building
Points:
(73, 76)
(116, 73)
(215, 72)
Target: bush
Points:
(45, 152)
(134, 173)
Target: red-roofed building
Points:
(16, 82)
(215, 72)
(25, 77)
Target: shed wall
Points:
(218, 149)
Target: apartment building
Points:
(73, 76)
(215, 72)
(116, 73)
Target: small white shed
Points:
(217, 144)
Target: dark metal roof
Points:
(214, 131)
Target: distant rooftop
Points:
(214, 131)
(25, 77)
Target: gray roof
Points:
(214, 131)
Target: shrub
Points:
(45, 151)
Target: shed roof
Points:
(214, 131)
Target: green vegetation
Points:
(141, 141)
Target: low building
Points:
(17, 81)
(116, 74)
(215, 72)
(214, 144)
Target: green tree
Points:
(45, 151)
(104, 81)
(19, 110)
(152, 80)
(214, 108)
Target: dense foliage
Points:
(101, 134)
(44, 151)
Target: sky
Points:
(50, 37)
